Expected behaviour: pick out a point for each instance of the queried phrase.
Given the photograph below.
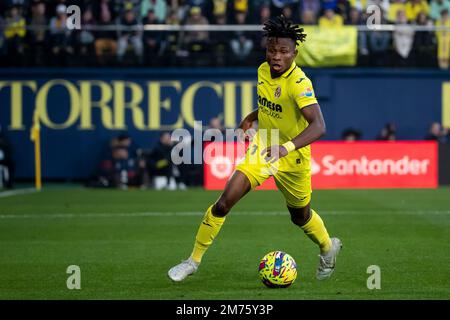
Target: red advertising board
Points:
(337, 164)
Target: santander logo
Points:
(330, 165)
(315, 167)
(336, 164)
(221, 167)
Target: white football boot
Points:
(182, 270)
(327, 261)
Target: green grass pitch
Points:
(125, 241)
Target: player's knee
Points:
(221, 208)
(299, 216)
(298, 220)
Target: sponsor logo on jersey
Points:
(307, 93)
(269, 104)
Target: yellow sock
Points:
(316, 231)
(208, 230)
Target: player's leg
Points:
(296, 188)
(237, 186)
(249, 174)
(312, 224)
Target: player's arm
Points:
(313, 132)
(248, 120)
(245, 125)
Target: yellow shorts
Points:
(295, 185)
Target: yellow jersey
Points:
(412, 10)
(337, 21)
(280, 101)
(442, 34)
(393, 9)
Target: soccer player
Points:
(287, 103)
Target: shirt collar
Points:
(287, 73)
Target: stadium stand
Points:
(138, 33)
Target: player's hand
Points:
(274, 153)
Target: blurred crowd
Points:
(6, 163)
(388, 132)
(127, 165)
(34, 33)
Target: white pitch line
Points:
(12, 193)
(198, 213)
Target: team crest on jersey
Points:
(278, 92)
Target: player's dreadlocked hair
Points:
(280, 27)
